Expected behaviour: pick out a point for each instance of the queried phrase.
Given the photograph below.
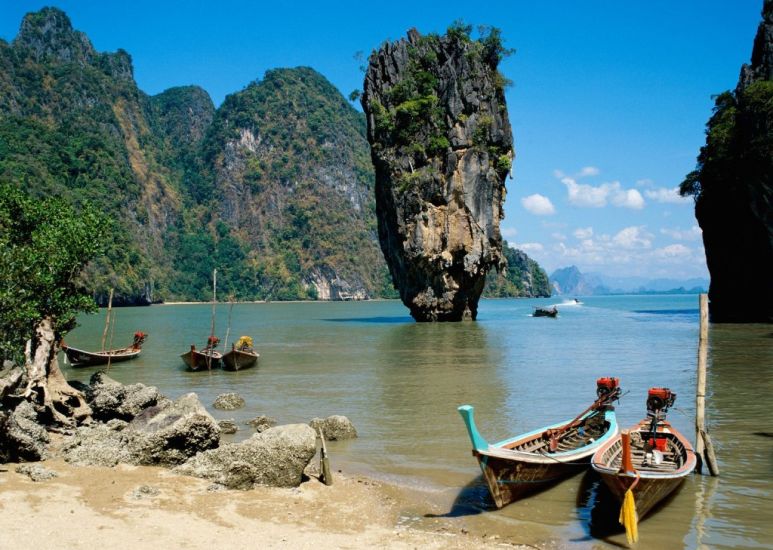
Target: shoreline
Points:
(152, 507)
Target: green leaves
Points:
(44, 246)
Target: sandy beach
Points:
(150, 507)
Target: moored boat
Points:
(646, 463)
(545, 312)
(82, 358)
(533, 461)
(241, 356)
(207, 358)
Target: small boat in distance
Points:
(207, 358)
(545, 312)
(646, 463)
(82, 358)
(241, 356)
(535, 460)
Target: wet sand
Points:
(141, 507)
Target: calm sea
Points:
(400, 383)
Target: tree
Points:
(44, 246)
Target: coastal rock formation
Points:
(276, 457)
(110, 399)
(733, 189)
(262, 423)
(334, 427)
(441, 144)
(228, 402)
(22, 438)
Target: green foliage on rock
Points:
(522, 278)
(44, 246)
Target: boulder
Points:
(22, 438)
(110, 399)
(228, 426)
(161, 435)
(36, 472)
(335, 428)
(172, 434)
(228, 402)
(276, 457)
(262, 423)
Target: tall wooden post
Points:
(703, 447)
(107, 318)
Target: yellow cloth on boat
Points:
(244, 342)
(628, 517)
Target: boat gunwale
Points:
(497, 450)
(689, 465)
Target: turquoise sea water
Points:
(400, 383)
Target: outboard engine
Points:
(658, 402)
(608, 388)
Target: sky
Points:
(608, 104)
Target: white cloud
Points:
(644, 182)
(558, 236)
(628, 198)
(632, 237)
(672, 251)
(509, 232)
(589, 171)
(582, 194)
(539, 205)
(692, 234)
(583, 232)
(667, 196)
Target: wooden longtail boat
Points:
(652, 458)
(82, 358)
(533, 461)
(204, 359)
(545, 312)
(207, 358)
(241, 356)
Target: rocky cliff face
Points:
(441, 144)
(733, 189)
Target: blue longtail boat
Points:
(532, 461)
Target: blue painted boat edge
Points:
(609, 416)
(468, 415)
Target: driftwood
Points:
(57, 402)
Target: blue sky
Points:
(608, 106)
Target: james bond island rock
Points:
(441, 144)
(733, 189)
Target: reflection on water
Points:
(400, 382)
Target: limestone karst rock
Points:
(733, 189)
(441, 144)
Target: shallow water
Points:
(400, 382)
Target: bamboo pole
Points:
(325, 475)
(703, 446)
(110, 355)
(107, 318)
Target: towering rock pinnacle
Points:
(733, 189)
(441, 144)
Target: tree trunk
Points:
(56, 401)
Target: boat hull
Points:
(511, 473)
(654, 483)
(238, 360)
(81, 358)
(509, 480)
(201, 360)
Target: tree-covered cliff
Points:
(733, 190)
(274, 188)
(522, 278)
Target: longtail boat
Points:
(545, 312)
(207, 358)
(82, 358)
(645, 463)
(241, 356)
(532, 461)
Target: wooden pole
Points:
(107, 318)
(703, 447)
(326, 476)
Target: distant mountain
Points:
(570, 281)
